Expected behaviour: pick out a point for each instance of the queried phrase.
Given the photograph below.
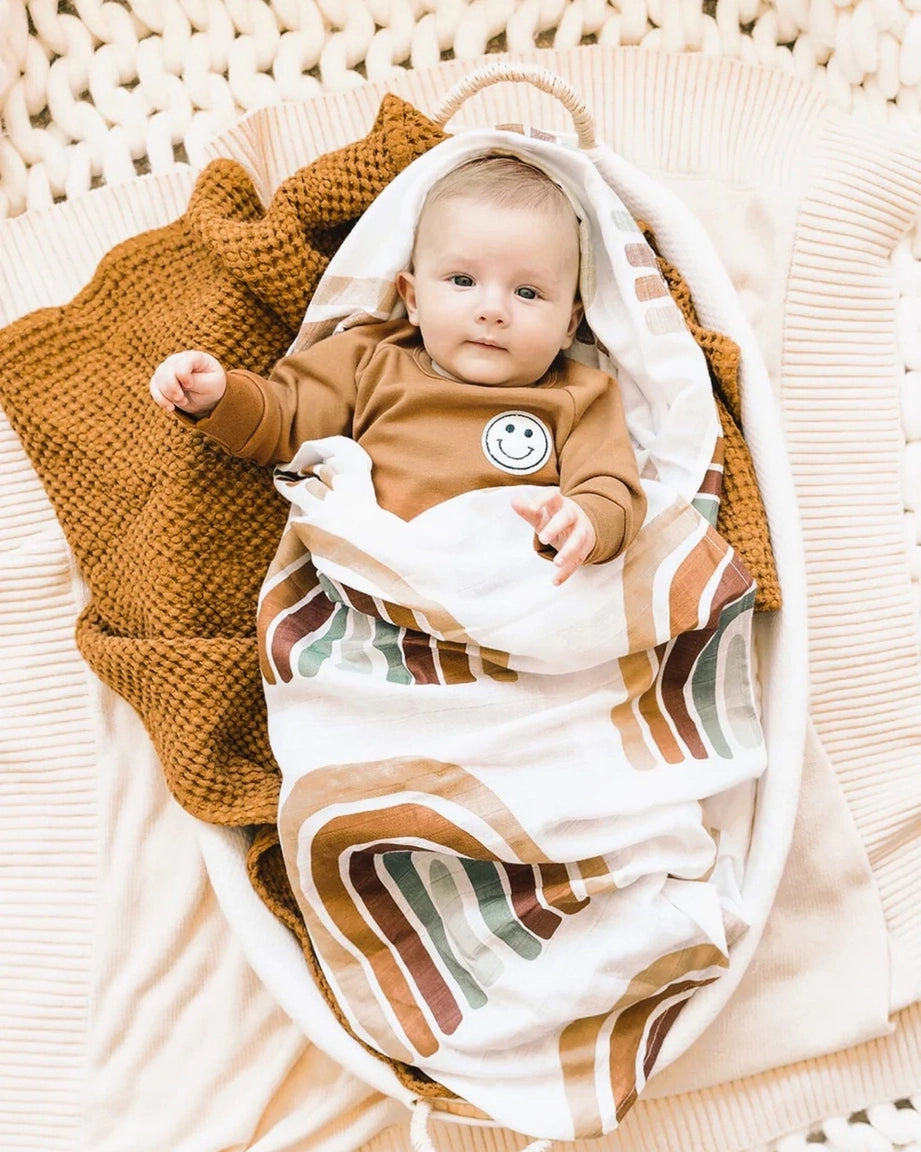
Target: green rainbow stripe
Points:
(312, 657)
(704, 676)
(481, 960)
(387, 638)
(496, 911)
(403, 872)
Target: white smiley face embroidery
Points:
(516, 442)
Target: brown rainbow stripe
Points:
(707, 500)
(291, 627)
(657, 724)
(665, 536)
(648, 1008)
(278, 602)
(353, 989)
(556, 889)
(638, 672)
(523, 881)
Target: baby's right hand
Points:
(192, 381)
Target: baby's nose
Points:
(492, 305)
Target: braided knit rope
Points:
(96, 91)
(882, 1128)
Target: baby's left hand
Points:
(561, 523)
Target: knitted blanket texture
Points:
(172, 536)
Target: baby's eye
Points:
(528, 293)
(462, 281)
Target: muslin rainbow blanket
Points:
(516, 816)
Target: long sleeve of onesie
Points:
(307, 396)
(598, 470)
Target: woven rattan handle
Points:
(539, 77)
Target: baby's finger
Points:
(191, 375)
(557, 526)
(550, 504)
(565, 566)
(570, 557)
(159, 397)
(527, 511)
(535, 512)
(169, 388)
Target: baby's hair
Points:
(504, 181)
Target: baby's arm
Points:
(561, 523)
(191, 381)
(308, 395)
(598, 466)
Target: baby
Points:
(470, 390)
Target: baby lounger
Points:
(619, 946)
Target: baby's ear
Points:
(406, 286)
(574, 321)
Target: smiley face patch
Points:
(517, 443)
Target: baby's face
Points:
(493, 290)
